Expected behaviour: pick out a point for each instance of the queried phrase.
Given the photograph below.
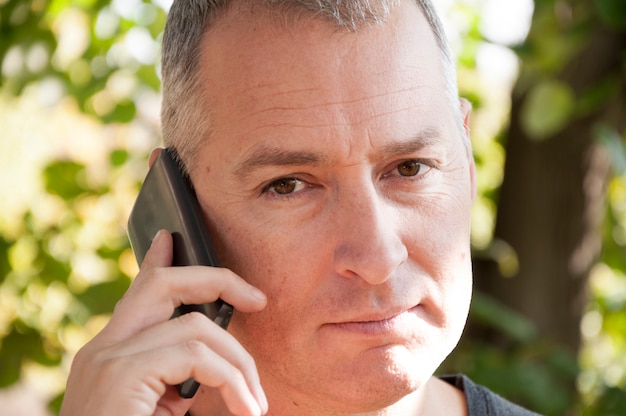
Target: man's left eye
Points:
(409, 168)
(285, 186)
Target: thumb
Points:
(160, 253)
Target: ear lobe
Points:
(154, 154)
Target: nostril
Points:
(366, 235)
(372, 261)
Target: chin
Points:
(378, 382)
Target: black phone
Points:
(168, 201)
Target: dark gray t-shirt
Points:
(483, 402)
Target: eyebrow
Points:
(271, 156)
(426, 138)
(265, 156)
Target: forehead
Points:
(265, 78)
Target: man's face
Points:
(337, 182)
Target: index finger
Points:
(159, 289)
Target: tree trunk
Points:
(552, 201)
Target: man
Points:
(331, 157)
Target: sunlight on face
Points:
(338, 182)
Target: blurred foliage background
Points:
(79, 110)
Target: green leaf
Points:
(85, 4)
(101, 298)
(119, 157)
(547, 109)
(506, 320)
(64, 178)
(55, 404)
(20, 345)
(612, 402)
(124, 112)
(54, 270)
(5, 267)
(613, 13)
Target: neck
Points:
(435, 398)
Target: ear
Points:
(466, 111)
(154, 154)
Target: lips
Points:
(378, 324)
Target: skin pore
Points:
(338, 182)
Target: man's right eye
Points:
(284, 186)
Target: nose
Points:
(368, 237)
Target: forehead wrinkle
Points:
(266, 156)
(365, 118)
(322, 121)
(341, 102)
(427, 137)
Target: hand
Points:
(130, 367)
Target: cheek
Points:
(254, 257)
(440, 243)
(439, 235)
(283, 326)
(277, 263)
(264, 265)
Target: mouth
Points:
(383, 324)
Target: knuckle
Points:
(116, 368)
(236, 378)
(194, 319)
(121, 302)
(195, 348)
(248, 361)
(149, 281)
(98, 365)
(82, 357)
(91, 354)
(155, 282)
(232, 277)
(157, 277)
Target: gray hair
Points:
(185, 122)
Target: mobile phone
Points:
(168, 201)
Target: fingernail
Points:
(156, 237)
(258, 294)
(263, 402)
(261, 398)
